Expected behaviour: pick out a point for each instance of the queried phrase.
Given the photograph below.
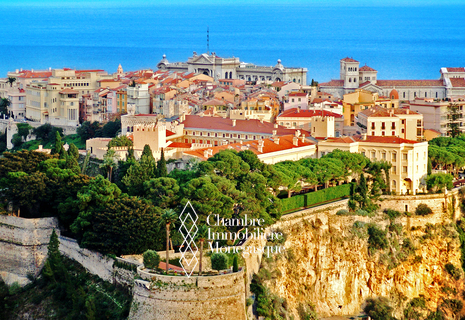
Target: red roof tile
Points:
(457, 82)
(180, 145)
(169, 133)
(349, 60)
(69, 91)
(333, 83)
(409, 83)
(456, 69)
(244, 126)
(295, 113)
(366, 68)
(297, 94)
(285, 143)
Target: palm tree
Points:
(11, 80)
(168, 217)
(109, 162)
(202, 235)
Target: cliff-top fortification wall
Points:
(161, 297)
(23, 247)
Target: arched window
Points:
(350, 79)
(226, 75)
(230, 75)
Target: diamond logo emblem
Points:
(188, 230)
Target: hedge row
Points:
(311, 198)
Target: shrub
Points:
(342, 212)
(378, 308)
(423, 210)
(15, 288)
(219, 261)
(376, 238)
(392, 214)
(453, 271)
(235, 264)
(151, 259)
(361, 212)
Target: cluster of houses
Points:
(208, 104)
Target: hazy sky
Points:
(134, 3)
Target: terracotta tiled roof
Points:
(456, 69)
(333, 83)
(285, 143)
(457, 82)
(30, 74)
(349, 60)
(242, 126)
(69, 91)
(364, 84)
(145, 115)
(169, 133)
(180, 145)
(378, 111)
(292, 113)
(409, 83)
(366, 68)
(278, 84)
(297, 94)
(380, 139)
(337, 140)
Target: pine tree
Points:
(161, 165)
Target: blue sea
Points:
(401, 42)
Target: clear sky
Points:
(135, 3)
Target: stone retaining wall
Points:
(220, 297)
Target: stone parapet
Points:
(219, 297)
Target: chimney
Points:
(295, 141)
(40, 147)
(205, 153)
(408, 111)
(276, 140)
(260, 145)
(275, 132)
(298, 110)
(276, 126)
(364, 136)
(261, 120)
(303, 138)
(234, 122)
(297, 133)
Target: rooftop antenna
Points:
(208, 40)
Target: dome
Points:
(394, 94)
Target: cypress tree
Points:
(161, 165)
(58, 146)
(130, 156)
(430, 167)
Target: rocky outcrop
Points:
(328, 263)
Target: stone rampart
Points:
(439, 203)
(220, 297)
(94, 262)
(23, 247)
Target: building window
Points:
(404, 94)
(393, 125)
(394, 170)
(394, 157)
(373, 154)
(418, 123)
(372, 125)
(383, 155)
(383, 125)
(383, 133)
(393, 133)
(372, 133)
(404, 169)
(404, 156)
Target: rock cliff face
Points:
(328, 263)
